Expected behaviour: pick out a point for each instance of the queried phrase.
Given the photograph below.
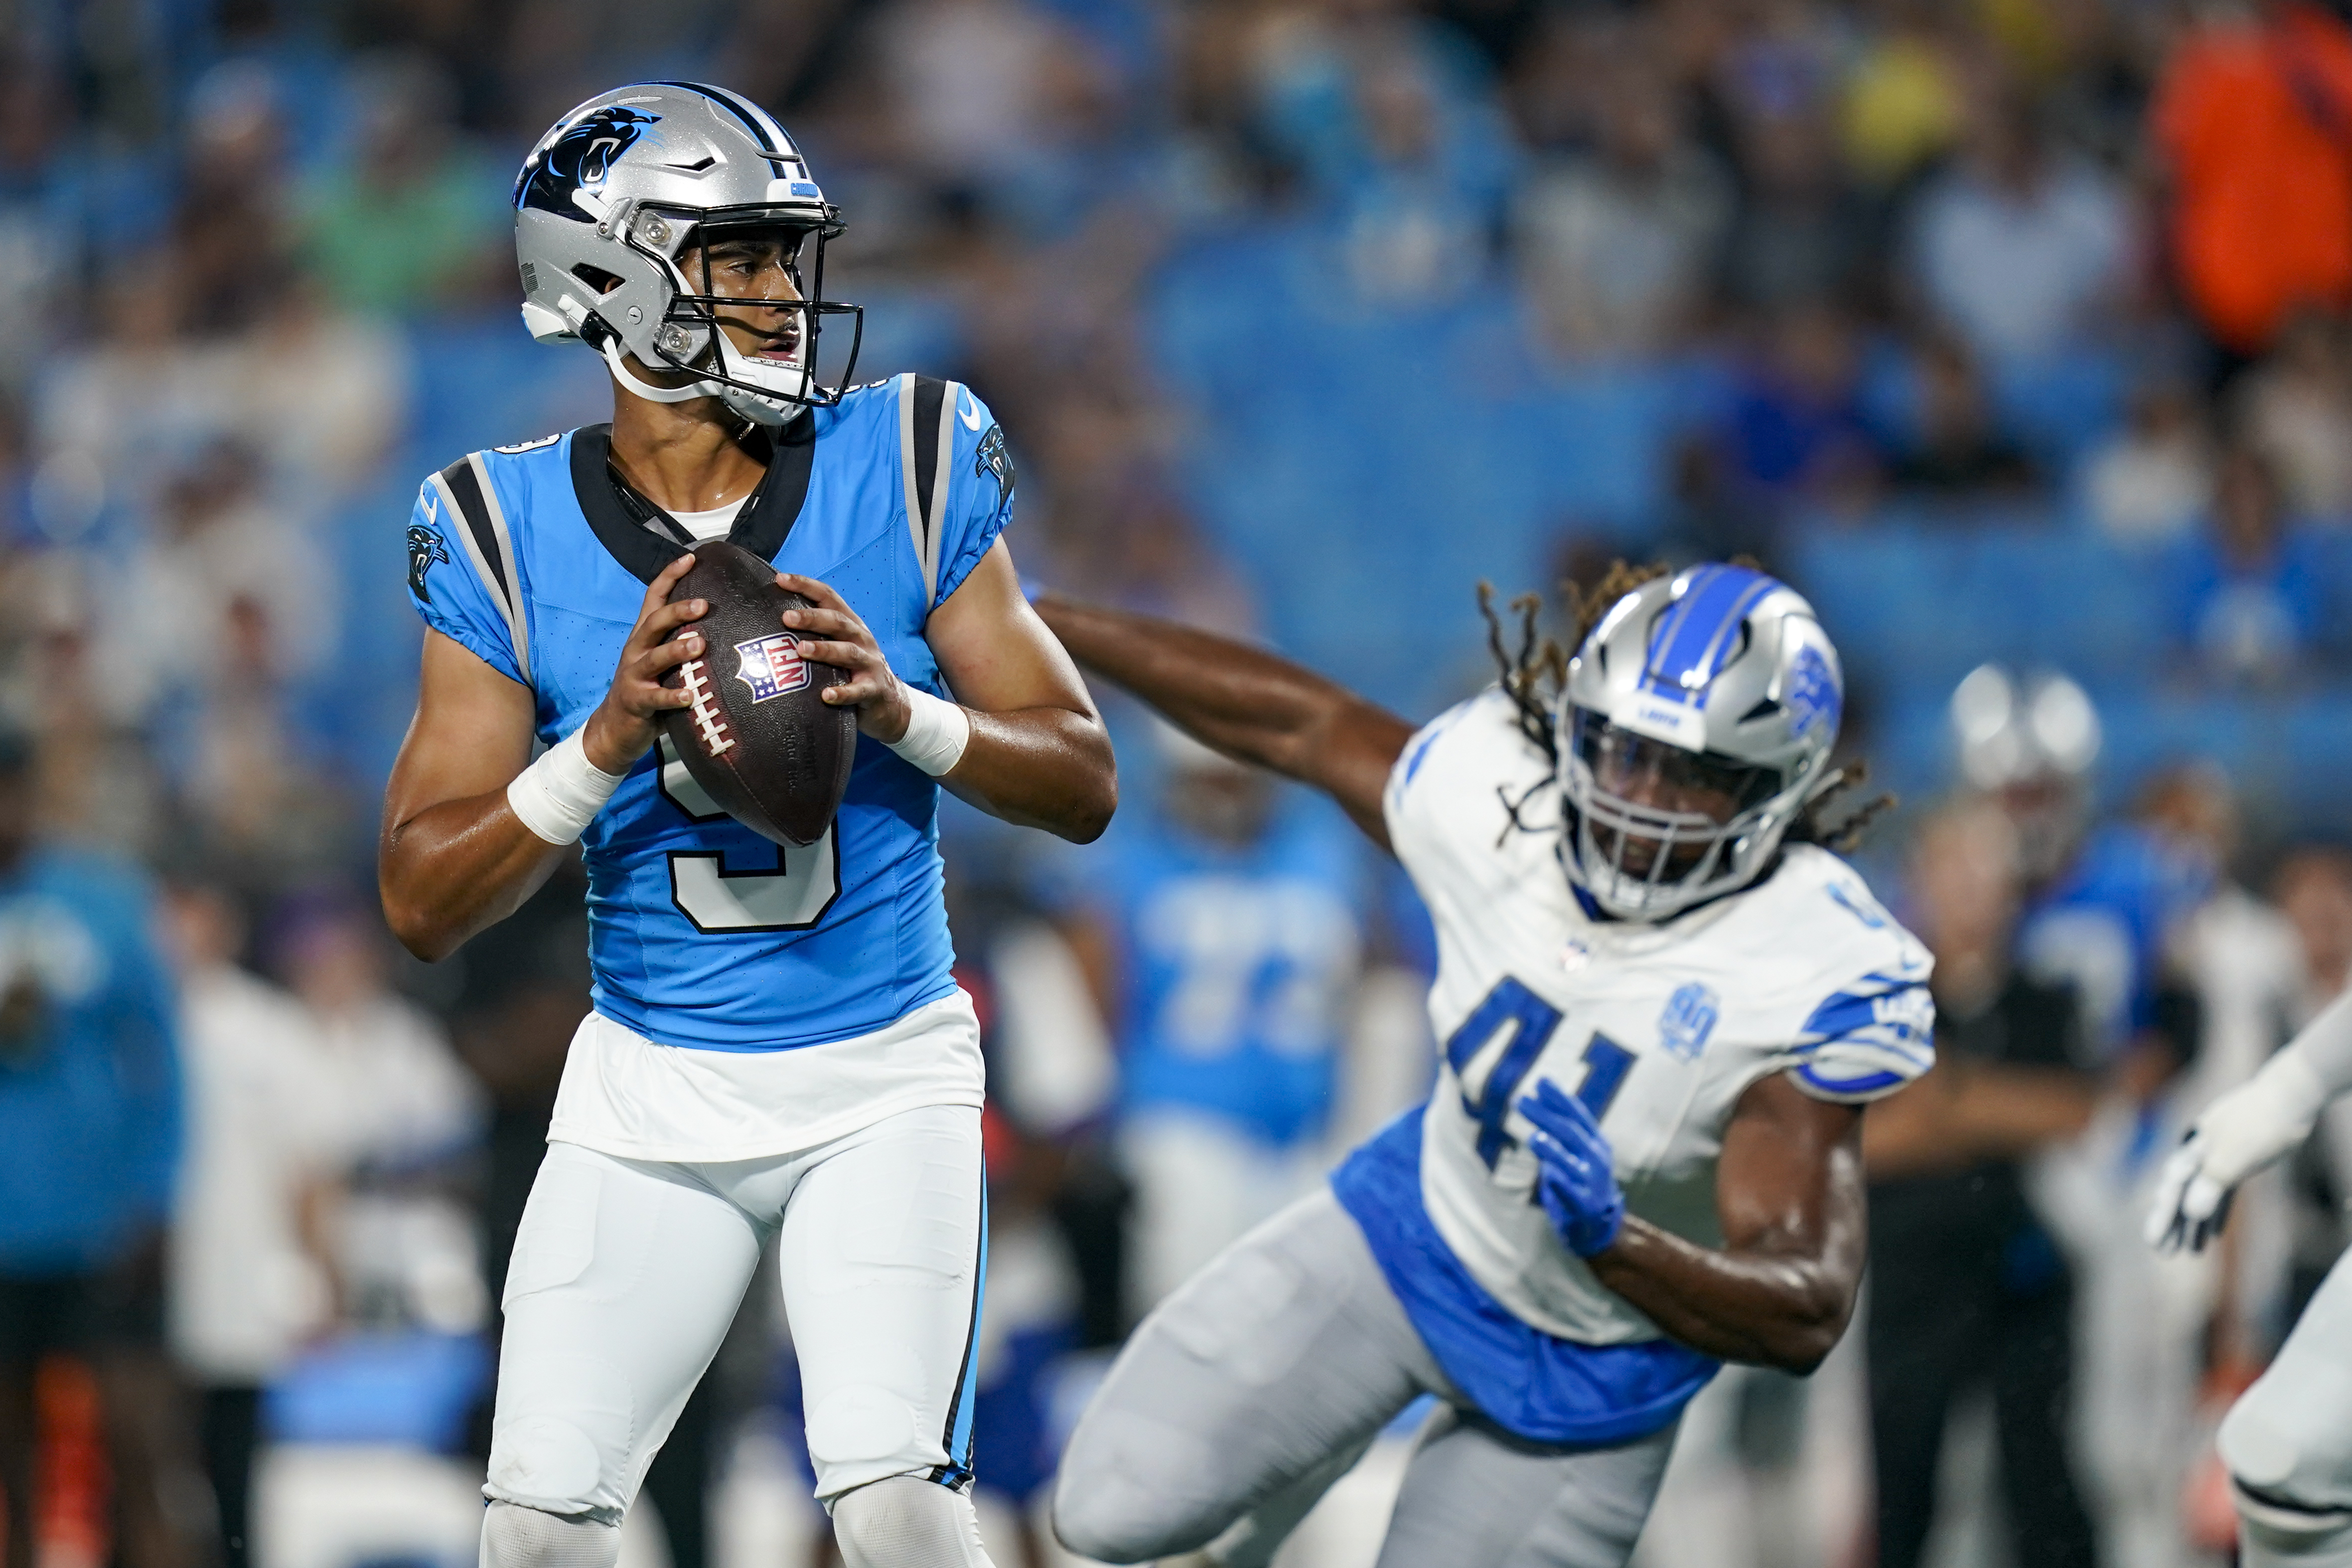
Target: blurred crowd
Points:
(1288, 305)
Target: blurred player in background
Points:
(1663, 1005)
(1229, 947)
(2103, 904)
(778, 1045)
(1968, 1286)
(90, 1121)
(2288, 1441)
(253, 1270)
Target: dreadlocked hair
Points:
(1841, 832)
(1534, 672)
(1534, 667)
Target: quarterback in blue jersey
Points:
(1661, 1002)
(777, 1046)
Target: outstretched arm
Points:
(2260, 1120)
(1244, 701)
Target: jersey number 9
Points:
(793, 896)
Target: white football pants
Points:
(628, 1274)
(1200, 1184)
(2288, 1441)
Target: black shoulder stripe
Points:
(930, 400)
(467, 491)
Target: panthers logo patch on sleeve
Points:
(424, 548)
(992, 458)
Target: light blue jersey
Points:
(1237, 965)
(700, 932)
(89, 1066)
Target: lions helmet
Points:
(618, 194)
(1696, 726)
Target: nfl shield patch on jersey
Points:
(771, 665)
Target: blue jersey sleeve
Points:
(446, 582)
(979, 493)
(147, 1052)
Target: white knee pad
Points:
(2274, 1534)
(514, 1536)
(2286, 1452)
(905, 1521)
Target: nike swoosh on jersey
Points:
(967, 412)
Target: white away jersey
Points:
(1659, 1029)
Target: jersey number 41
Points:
(1532, 1021)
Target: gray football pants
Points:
(1258, 1382)
(2288, 1441)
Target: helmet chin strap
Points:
(611, 349)
(768, 406)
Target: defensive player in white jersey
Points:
(2288, 1441)
(1661, 1009)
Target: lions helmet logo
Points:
(578, 158)
(1813, 695)
(424, 548)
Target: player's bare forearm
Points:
(1780, 1290)
(457, 868)
(453, 858)
(1040, 768)
(1244, 701)
(1039, 755)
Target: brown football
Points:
(757, 736)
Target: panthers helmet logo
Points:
(579, 158)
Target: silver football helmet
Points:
(616, 196)
(1696, 726)
(2029, 738)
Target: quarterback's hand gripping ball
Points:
(2239, 1134)
(757, 734)
(1574, 1181)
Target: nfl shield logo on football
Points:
(1688, 1020)
(771, 665)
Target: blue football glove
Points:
(1573, 1181)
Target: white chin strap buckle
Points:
(646, 389)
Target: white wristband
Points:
(559, 795)
(936, 732)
